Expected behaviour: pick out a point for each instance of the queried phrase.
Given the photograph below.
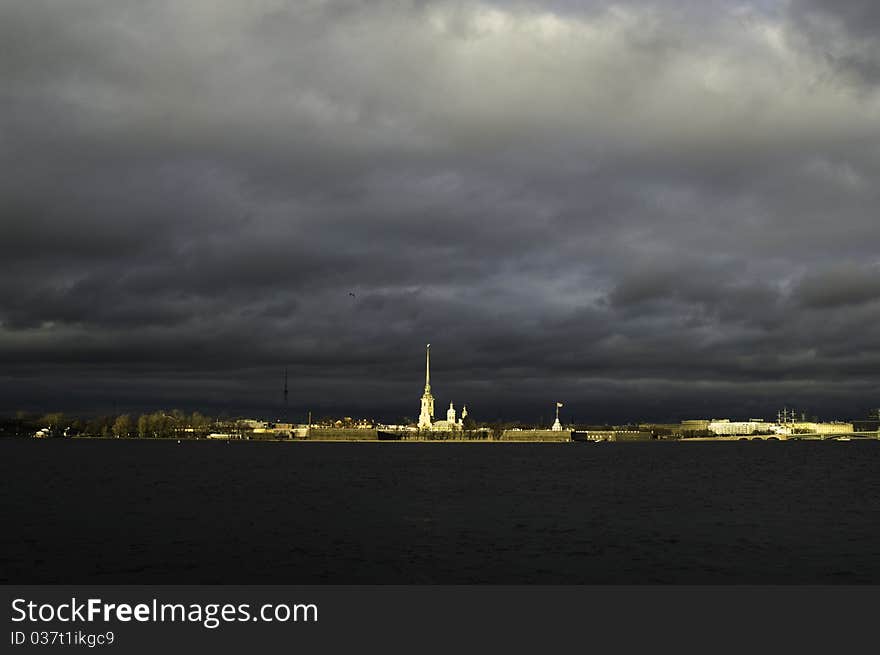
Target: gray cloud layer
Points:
(644, 210)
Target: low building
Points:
(726, 427)
(866, 425)
(693, 426)
(812, 427)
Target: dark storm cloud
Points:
(846, 32)
(861, 17)
(845, 285)
(645, 209)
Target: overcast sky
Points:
(646, 210)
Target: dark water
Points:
(197, 512)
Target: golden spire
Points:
(428, 368)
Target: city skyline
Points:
(644, 208)
(427, 420)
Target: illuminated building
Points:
(426, 413)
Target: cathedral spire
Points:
(428, 368)
(426, 416)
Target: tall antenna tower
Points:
(285, 387)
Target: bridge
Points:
(792, 437)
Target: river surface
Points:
(104, 512)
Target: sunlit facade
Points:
(426, 412)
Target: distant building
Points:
(426, 413)
(811, 427)
(866, 425)
(698, 425)
(254, 424)
(726, 427)
(723, 427)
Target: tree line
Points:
(156, 425)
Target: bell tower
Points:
(426, 415)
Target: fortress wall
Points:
(535, 435)
(343, 434)
(612, 435)
(453, 435)
(626, 435)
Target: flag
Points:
(559, 404)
